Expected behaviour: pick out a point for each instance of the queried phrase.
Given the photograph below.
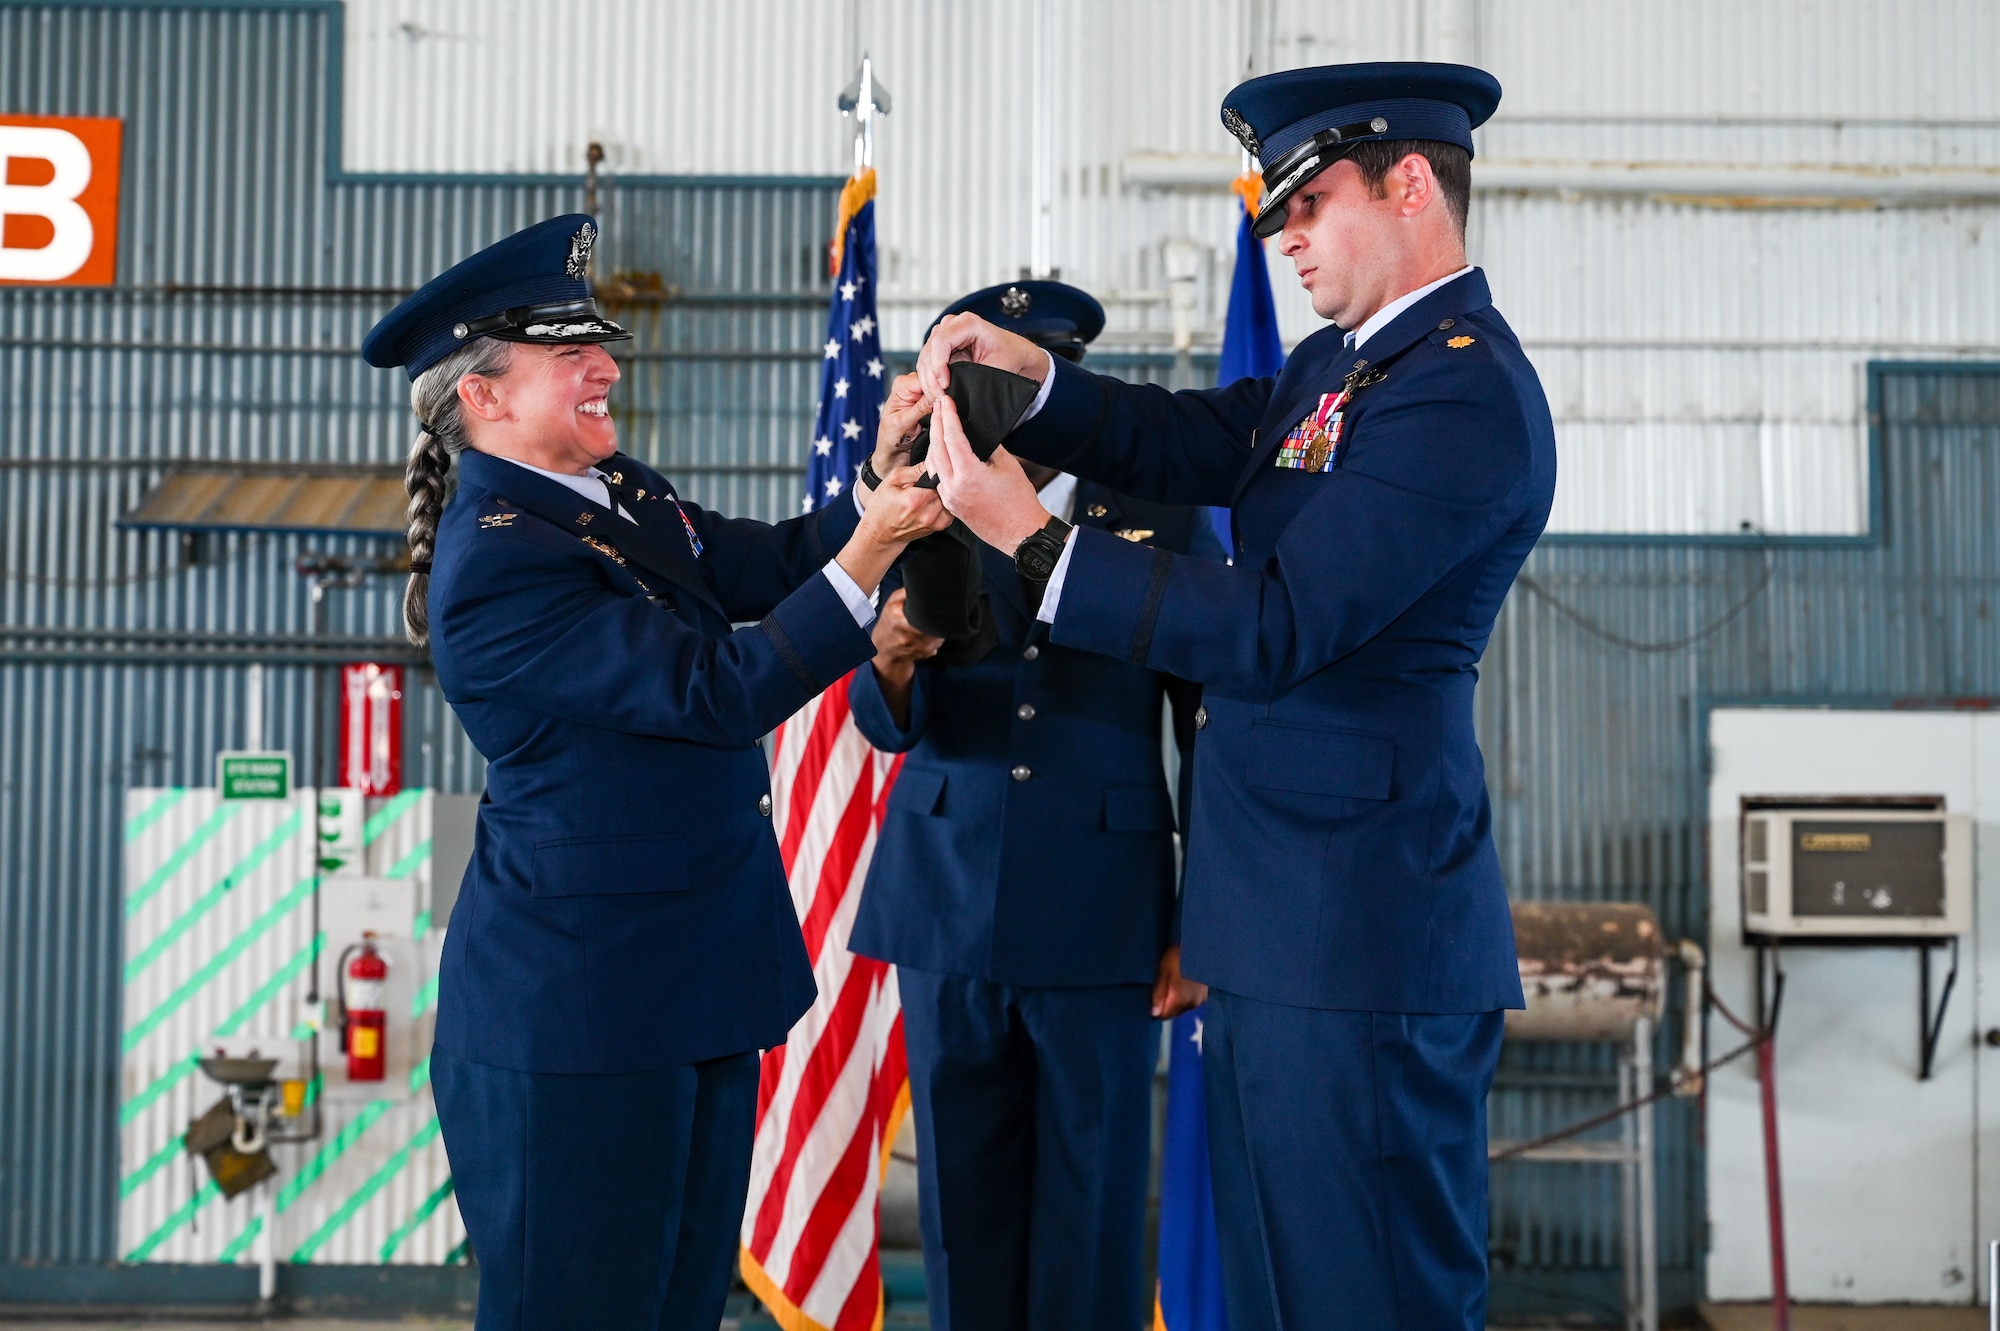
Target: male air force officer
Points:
(1343, 893)
(1024, 887)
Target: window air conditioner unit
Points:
(1857, 872)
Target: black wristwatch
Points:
(1035, 558)
(870, 478)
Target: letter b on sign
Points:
(59, 200)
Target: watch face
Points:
(1034, 559)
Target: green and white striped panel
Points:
(218, 942)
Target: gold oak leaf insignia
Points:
(1459, 343)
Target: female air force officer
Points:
(624, 939)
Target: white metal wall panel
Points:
(1784, 59)
(525, 86)
(1704, 357)
(218, 938)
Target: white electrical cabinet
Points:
(1856, 871)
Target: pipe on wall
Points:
(1801, 185)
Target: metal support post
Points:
(1628, 1189)
(266, 1242)
(1647, 1203)
(1993, 1285)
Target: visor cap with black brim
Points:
(533, 286)
(1299, 122)
(1053, 315)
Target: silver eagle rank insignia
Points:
(579, 251)
(1233, 121)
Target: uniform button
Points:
(1201, 718)
(764, 805)
(1026, 711)
(1023, 772)
(1446, 324)
(1031, 653)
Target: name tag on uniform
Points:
(1314, 441)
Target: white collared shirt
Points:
(1381, 319)
(592, 487)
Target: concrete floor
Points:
(1724, 1317)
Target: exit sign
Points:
(254, 776)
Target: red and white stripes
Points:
(833, 1095)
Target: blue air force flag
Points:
(1190, 1259)
(1250, 345)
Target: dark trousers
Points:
(1034, 1109)
(612, 1202)
(1348, 1151)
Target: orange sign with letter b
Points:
(59, 200)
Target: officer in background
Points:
(1024, 886)
(624, 939)
(1344, 896)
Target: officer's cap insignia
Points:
(1233, 121)
(1134, 534)
(1015, 302)
(497, 519)
(579, 251)
(1459, 343)
(586, 328)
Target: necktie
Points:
(631, 497)
(622, 495)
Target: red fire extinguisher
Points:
(364, 1002)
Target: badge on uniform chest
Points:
(1314, 443)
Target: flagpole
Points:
(810, 1230)
(1042, 169)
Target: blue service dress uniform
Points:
(1024, 887)
(624, 939)
(1343, 895)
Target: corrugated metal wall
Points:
(1592, 717)
(246, 279)
(1704, 356)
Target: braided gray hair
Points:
(434, 397)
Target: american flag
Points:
(834, 1094)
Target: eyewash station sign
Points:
(253, 776)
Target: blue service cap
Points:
(1299, 122)
(1052, 315)
(530, 287)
